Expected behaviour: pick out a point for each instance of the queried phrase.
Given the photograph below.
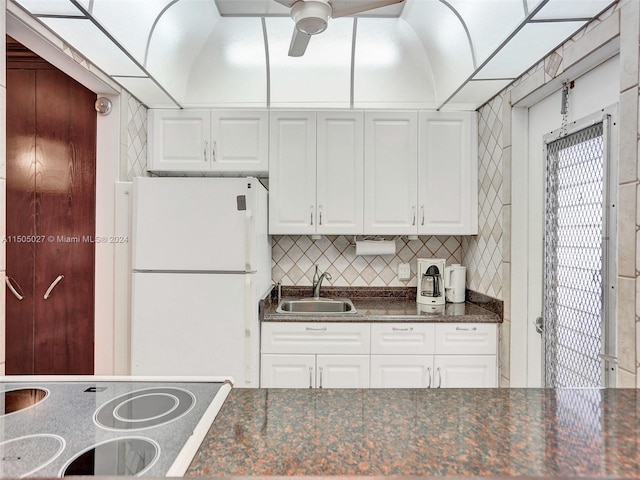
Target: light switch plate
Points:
(404, 271)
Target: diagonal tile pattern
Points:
(136, 139)
(294, 259)
(483, 253)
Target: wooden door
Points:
(51, 144)
(20, 222)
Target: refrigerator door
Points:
(195, 324)
(192, 224)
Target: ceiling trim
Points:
(153, 27)
(466, 30)
(520, 26)
(113, 40)
(265, 40)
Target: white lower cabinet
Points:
(468, 371)
(401, 371)
(378, 355)
(315, 371)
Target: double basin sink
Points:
(315, 306)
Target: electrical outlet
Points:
(404, 271)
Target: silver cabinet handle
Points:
(316, 329)
(206, 147)
(310, 377)
(10, 281)
(47, 294)
(429, 377)
(398, 329)
(439, 377)
(413, 209)
(320, 369)
(214, 154)
(422, 214)
(311, 213)
(319, 214)
(463, 329)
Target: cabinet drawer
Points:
(402, 338)
(466, 339)
(318, 338)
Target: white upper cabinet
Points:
(208, 141)
(390, 172)
(178, 140)
(448, 173)
(239, 141)
(316, 172)
(339, 168)
(292, 172)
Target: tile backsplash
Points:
(294, 258)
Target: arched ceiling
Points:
(450, 54)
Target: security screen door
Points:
(576, 323)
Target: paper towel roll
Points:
(375, 247)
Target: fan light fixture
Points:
(311, 16)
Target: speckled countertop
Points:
(388, 305)
(426, 432)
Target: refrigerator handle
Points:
(248, 325)
(249, 238)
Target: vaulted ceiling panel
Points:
(416, 53)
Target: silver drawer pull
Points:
(316, 329)
(463, 329)
(429, 377)
(406, 329)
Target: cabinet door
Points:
(402, 371)
(465, 371)
(179, 140)
(448, 173)
(342, 371)
(240, 141)
(390, 172)
(288, 371)
(292, 172)
(339, 168)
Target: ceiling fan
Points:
(311, 17)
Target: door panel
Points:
(51, 144)
(21, 127)
(65, 214)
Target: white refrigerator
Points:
(201, 262)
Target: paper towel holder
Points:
(374, 246)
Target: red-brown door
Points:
(51, 144)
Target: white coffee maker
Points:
(430, 280)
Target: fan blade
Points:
(287, 3)
(358, 7)
(299, 43)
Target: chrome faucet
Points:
(317, 282)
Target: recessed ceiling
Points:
(450, 54)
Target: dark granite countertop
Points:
(427, 432)
(388, 305)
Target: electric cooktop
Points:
(61, 426)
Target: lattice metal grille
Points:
(573, 271)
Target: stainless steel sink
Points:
(316, 306)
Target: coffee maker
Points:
(430, 279)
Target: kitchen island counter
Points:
(424, 432)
